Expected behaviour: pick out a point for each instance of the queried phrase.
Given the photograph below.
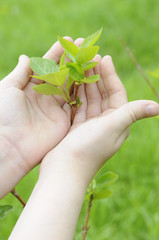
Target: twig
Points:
(139, 68)
(74, 106)
(85, 228)
(15, 194)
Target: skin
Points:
(30, 124)
(100, 127)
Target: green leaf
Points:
(91, 79)
(70, 48)
(91, 40)
(86, 54)
(102, 194)
(47, 89)
(155, 73)
(57, 79)
(43, 66)
(76, 71)
(70, 81)
(87, 196)
(106, 179)
(79, 103)
(4, 210)
(62, 60)
(89, 65)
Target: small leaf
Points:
(89, 65)
(102, 194)
(87, 197)
(154, 74)
(79, 103)
(70, 48)
(91, 40)
(47, 89)
(57, 79)
(91, 79)
(76, 71)
(62, 60)
(43, 66)
(86, 54)
(4, 210)
(106, 179)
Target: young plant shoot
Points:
(59, 79)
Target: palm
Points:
(32, 123)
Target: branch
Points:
(138, 66)
(15, 194)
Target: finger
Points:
(92, 92)
(116, 92)
(94, 98)
(20, 76)
(132, 112)
(100, 83)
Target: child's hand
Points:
(30, 124)
(100, 127)
(101, 124)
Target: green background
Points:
(31, 27)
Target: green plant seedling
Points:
(60, 78)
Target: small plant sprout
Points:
(59, 79)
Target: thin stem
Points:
(74, 106)
(15, 194)
(139, 68)
(65, 95)
(85, 228)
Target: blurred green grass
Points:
(31, 27)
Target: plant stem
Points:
(74, 106)
(139, 68)
(85, 228)
(15, 194)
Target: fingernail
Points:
(152, 109)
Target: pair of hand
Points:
(32, 124)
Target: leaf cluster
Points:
(58, 79)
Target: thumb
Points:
(20, 75)
(134, 111)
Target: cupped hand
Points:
(30, 124)
(101, 124)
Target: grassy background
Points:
(31, 28)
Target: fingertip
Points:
(107, 58)
(152, 109)
(79, 41)
(68, 38)
(97, 58)
(23, 58)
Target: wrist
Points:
(12, 170)
(55, 202)
(70, 163)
